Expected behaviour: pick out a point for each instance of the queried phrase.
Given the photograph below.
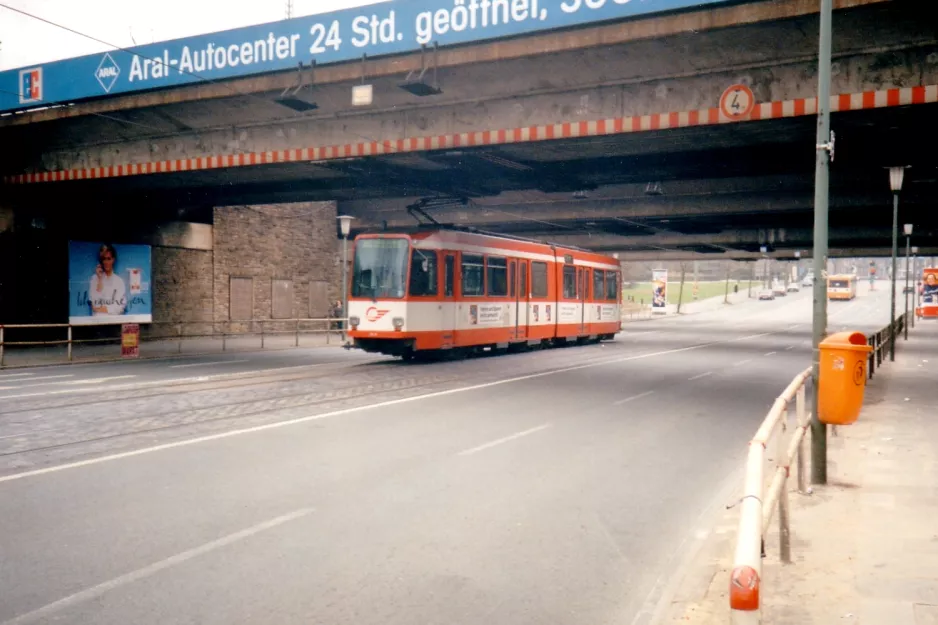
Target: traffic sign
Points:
(737, 102)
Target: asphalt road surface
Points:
(558, 486)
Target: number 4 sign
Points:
(737, 102)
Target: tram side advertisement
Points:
(659, 294)
(109, 283)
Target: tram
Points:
(843, 287)
(449, 290)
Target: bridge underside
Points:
(715, 190)
(712, 192)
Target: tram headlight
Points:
(398, 322)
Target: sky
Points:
(26, 41)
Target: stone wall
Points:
(293, 242)
(182, 290)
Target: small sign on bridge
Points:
(737, 102)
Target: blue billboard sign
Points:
(109, 284)
(381, 29)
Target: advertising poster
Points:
(109, 283)
(130, 340)
(659, 293)
(930, 286)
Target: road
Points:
(558, 486)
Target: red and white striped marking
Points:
(564, 130)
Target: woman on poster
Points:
(106, 291)
(930, 289)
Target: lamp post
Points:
(824, 152)
(896, 174)
(914, 283)
(345, 226)
(907, 230)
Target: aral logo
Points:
(373, 314)
(107, 73)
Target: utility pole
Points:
(680, 291)
(824, 148)
(726, 292)
(289, 9)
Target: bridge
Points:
(597, 127)
(607, 135)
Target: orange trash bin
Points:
(842, 377)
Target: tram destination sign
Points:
(389, 27)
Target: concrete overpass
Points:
(622, 115)
(606, 135)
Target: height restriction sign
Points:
(737, 102)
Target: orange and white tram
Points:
(454, 290)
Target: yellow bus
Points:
(842, 287)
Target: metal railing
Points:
(883, 342)
(758, 504)
(172, 331)
(631, 311)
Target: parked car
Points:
(779, 289)
(808, 281)
(794, 288)
(766, 294)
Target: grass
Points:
(705, 290)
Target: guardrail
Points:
(885, 340)
(635, 312)
(758, 504)
(172, 331)
(756, 508)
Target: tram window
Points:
(423, 277)
(523, 285)
(497, 276)
(569, 282)
(612, 285)
(599, 291)
(538, 279)
(473, 273)
(449, 276)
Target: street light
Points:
(896, 175)
(914, 285)
(345, 226)
(907, 230)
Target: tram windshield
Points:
(380, 268)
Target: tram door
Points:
(582, 275)
(522, 295)
(448, 306)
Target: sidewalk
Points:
(161, 348)
(865, 546)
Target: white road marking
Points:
(100, 380)
(345, 411)
(201, 378)
(789, 348)
(770, 353)
(633, 397)
(503, 440)
(742, 362)
(152, 569)
(45, 377)
(30, 380)
(206, 364)
(15, 375)
(700, 375)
